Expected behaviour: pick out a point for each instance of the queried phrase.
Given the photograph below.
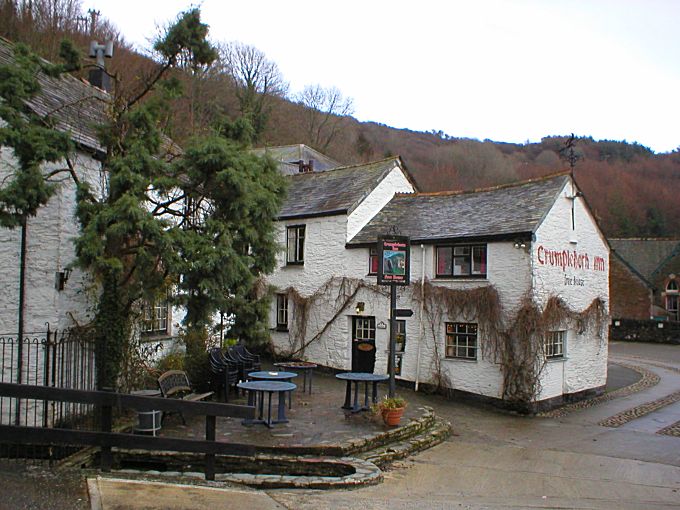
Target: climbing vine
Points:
(336, 293)
(516, 343)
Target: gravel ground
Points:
(27, 487)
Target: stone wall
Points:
(645, 331)
(630, 297)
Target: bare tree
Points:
(325, 109)
(258, 80)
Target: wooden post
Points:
(106, 424)
(210, 426)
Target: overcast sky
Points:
(507, 70)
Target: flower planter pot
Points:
(392, 417)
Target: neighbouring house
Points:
(298, 158)
(509, 285)
(645, 289)
(44, 296)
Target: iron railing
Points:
(58, 359)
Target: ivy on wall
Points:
(515, 343)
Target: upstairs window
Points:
(461, 340)
(461, 261)
(282, 312)
(155, 317)
(373, 261)
(295, 243)
(554, 344)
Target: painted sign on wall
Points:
(569, 259)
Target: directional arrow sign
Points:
(403, 312)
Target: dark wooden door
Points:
(363, 344)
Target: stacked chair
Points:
(226, 372)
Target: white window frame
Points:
(458, 251)
(282, 312)
(295, 244)
(461, 334)
(554, 345)
(365, 328)
(155, 317)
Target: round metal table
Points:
(265, 375)
(256, 391)
(357, 377)
(306, 367)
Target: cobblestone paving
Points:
(636, 412)
(671, 430)
(648, 380)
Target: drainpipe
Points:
(22, 301)
(422, 306)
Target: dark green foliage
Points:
(31, 137)
(196, 362)
(251, 317)
(221, 255)
(186, 40)
(202, 224)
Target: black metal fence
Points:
(58, 359)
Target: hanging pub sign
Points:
(394, 260)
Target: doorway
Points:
(363, 344)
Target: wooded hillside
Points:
(633, 191)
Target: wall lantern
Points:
(360, 307)
(520, 244)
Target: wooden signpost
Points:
(394, 268)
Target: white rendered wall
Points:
(49, 249)
(509, 270)
(394, 182)
(577, 276)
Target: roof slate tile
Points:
(500, 211)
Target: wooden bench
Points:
(175, 384)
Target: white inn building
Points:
(509, 285)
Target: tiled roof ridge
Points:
(490, 188)
(349, 167)
(67, 76)
(644, 239)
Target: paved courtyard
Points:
(619, 453)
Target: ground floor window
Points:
(155, 317)
(554, 344)
(461, 340)
(282, 312)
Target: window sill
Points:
(556, 360)
(462, 360)
(155, 336)
(461, 278)
(288, 264)
(280, 329)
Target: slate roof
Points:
(76, 105)
(288, 157)
(645, 255)
(334, 191)
(503, 211)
